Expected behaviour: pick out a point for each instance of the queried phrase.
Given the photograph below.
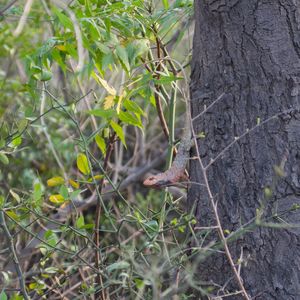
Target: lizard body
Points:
(176, 172)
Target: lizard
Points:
(176, 173)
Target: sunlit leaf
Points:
(165, 3)
(105, 84)
(13, 215)
(96, 177)
(54, 181)
(15, 196)
(56, 199)
(121, 97)
(74, 184)
(16, 141)
(82, 164)
(109, 102)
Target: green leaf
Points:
(2, 201)
(82, 164)
(64, 20)
(123, 57)
(4, 159)
(119, 131)
(167, 79)
(103, 113)
(3, 296)
(75, 194)
(64, 192)
(46, 75)
(133, 107)
(16, 141)
(165, 3)
(37, 192)
(130, 119)
(13, 215)
(51, 238)
(152, 227)
(100, 143)
(80, 222)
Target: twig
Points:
(8, 6)
(259, 124)
(44, 127)
(98, 215)
(219, 226)
(15, 257)
(23, 18)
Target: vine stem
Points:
(219, 225)
(98, 216)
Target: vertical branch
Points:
(14, 254)
(98, 215)
(23, 18)
(45, 130)
(219, 225)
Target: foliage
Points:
(80, 87)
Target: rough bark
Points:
(249, 50)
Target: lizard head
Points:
(155, 182)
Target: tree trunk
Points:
(250, 51)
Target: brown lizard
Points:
(176, 173)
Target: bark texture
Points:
(249, 50)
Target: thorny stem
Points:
(219, 225)
(14, 254)
(98, 215)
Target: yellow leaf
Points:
(54, 181)
(96, 177)
(119, 103)
(109, 102)
(32, 285)
(74, 184)
(13, 215)
(105, 84)
(61, 48)
(57, 198)
(15, 195)
(82, 164)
